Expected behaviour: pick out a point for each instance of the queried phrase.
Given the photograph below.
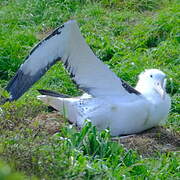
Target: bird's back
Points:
(121, 115)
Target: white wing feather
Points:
(68, 45)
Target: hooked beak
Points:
(160, 86)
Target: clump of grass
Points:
(66, 154)
(77, 154)
(7, 173)
(136, 5)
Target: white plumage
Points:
(126, 114)
(110, 102)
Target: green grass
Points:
(129, 36)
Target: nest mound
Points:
(147, 143)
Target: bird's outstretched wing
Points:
(68, 45)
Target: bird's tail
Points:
(57, 103)
(60, 103)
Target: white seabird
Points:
(110, 102)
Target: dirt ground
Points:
(147, 143)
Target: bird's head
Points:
(152, 79)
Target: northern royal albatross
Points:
(110, 102)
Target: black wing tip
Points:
(52, 93)
(18, 85)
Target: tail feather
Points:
(63, 105)
(52, 93)
(55, 102)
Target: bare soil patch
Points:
(49, 122)
(149, 142)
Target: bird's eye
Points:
(151, 75)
